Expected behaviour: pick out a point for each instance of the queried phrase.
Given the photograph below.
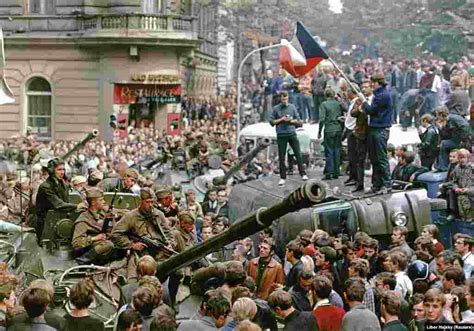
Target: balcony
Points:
(123, 26)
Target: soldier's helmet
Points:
(418, 270)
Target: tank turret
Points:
(81, 144)
(261, 145)
(309, 194)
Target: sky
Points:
(335, 6)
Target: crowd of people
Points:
(323, 282)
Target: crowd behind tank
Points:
(322, 283)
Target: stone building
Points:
(71, 64)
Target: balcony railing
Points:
(149, 23)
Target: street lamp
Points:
(239, 83)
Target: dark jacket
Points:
(292, 278)
(380, 111)
(299, 321)
(300, 299)
(53, 194)
(110, 184)
(360, 130)
(329, 112)
(53, 320)
(429, 142)
(31, 324)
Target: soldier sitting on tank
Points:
(145, 221)
(124, 184)
(184, 234)
(90, 242)
(406, 169)
(165, 201)
(53, 193)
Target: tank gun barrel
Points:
(309, 194)
(261, 145)
(81, 144)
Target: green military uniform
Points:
(184, 240)
(168, 211)
(152, 226)
(329, 112)
(111, 184)
(53, 193)
(88, 225)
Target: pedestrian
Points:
(286, 118)
(330, 120)
(429, 141)
(380, 121)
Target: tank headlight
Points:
(399, 218)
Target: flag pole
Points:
(354, 87)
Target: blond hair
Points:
(244, 308)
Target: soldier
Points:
(19, 204)
(90, 243)
(184, 234)
(123, 185)
(145, 221)
(52, 194)
(165, 202)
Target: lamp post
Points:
(239, 83)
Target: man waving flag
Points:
(302, 54)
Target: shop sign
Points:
(155, 78)
(129, 93)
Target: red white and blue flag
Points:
(302, 54)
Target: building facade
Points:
(71, 64)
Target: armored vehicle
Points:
(375, 214)
(54, 260)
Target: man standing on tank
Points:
(380, 121)
(286, 118)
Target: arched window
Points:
(38, 94)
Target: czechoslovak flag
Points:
(302, 54)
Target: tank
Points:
(307, 195)
(340, 212)
(261, 145)
(81, 144)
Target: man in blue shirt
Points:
(380, 114)
(285, 117)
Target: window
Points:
(42, 7)
(38, 94)
(153, 6)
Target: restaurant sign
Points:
(130, 93)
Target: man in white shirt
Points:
(463, 245)
(349, 125)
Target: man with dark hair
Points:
(390, 311)
(294, 252)
(359, 317)
(53, 193)
(399, 241)
(328, 316)
(406, 170)
(211, 205)
(301, 292)
(452, 277)
(35, 301)
(144, 300)
(380, 114)
(281, 303)
(265, 271)
(417, 311)
(146, 266)
(429, 141)
(397, 263)
(286, 118)
(330, 120)
(463, 245)
(216, 310)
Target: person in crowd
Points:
(294, 252)
(129, 320)
(144, 300)
(146, 266)
(222, 204)
(397, 261)
(399, 241)
(90, 240)
(360, 268)
(52, 194)
(265, 271)
(213, 317)
(359, 317)
(381, 114)
(463, 246)
(242, 309)
(330, 115)
(328, 316)
(417, 311)
(431, 232)
(463, 187)
(302, 293)
(124, 185)
(433, 303)
(429, 141)
(211, 205)
(35, 301)
(281, 303)
(285, 117)
(390, 311)
(82, 295)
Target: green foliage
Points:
(449, 4)
(444, 19)
(448, 44)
